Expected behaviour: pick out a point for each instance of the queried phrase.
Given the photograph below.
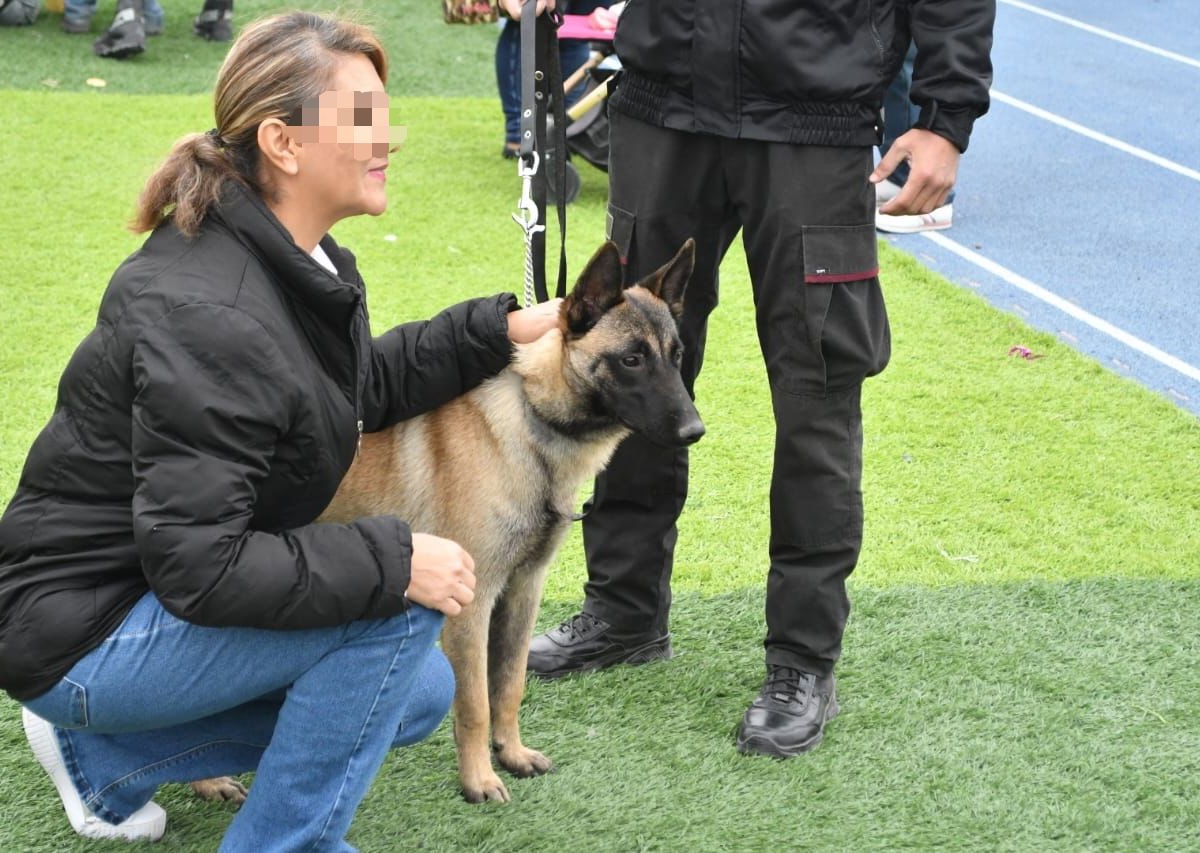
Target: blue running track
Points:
(1078, 202)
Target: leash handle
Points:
(530, 74)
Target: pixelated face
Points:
(358, 120)
(345, 136)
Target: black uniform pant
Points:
(807, 219)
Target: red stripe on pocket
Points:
(835, 278)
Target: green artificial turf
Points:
(427, 56)
(1020, 669)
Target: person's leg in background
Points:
(572, 53)
(19, 13)
(77, 15)
(899, 116)
(508, 82)
(210, 702)
(126, 35)
(215, 21)
(665, 186)
(153, 17)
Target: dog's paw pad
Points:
(222, 788)
(525, 763)
(491, 790)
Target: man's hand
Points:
(512, 8)
(443, 574)
(932, 170)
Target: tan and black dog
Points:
(499, 469)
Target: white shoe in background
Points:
(885, 191)
(936, 220)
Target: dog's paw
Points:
(524, 762)
(488, 787)
(221, 788)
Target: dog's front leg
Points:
(464, 640)
(512, 624)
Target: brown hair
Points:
(275, 65)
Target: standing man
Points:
(761, 117)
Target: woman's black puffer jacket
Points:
(201, 428)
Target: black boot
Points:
(584, 643)
(127, 34)
(215, 21)
(790, 713)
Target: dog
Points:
(498, 471)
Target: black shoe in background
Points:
(789, 715)
(76, 26)
(584, 643)
(126, 36)
(215, 21)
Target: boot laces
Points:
(579, 625)
(785, 684)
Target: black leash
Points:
(541, 84)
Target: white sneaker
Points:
(885, 191)
(937, 220)
(146, 824)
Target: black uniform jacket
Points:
(202, 427)
(802, 71)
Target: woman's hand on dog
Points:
(526, 325)
(442, 576)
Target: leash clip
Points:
(527, 209)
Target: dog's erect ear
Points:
(597, 290)
(670, 280)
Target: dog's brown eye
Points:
(631, 360)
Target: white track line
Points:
(1125, 147)
(1140, 45)
(1039, 292)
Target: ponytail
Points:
(187, 184)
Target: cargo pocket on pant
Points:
(618, 227)
(842, 315)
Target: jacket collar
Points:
(242, 212)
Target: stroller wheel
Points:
(571, 182)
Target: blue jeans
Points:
(572, 53)
(77, 11)
(900, 114)
(314, 712)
